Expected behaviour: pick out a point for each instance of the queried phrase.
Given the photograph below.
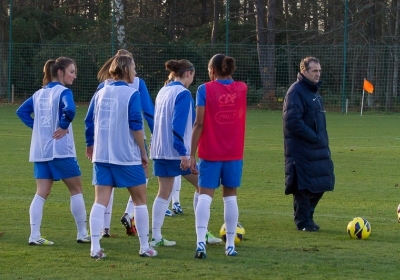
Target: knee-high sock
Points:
(96, 222)
(231, 216)
(160, 205)
(78, 210)
(141, 214)
(35, 216)
(195, 201)
(177, 189)
(130, 205)
(108, 211)
(202, 217)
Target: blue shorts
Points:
(56, 169)
(121, 176)
(168, 168)
(214, 173)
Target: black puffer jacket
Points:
(306, 145)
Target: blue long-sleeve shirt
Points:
(134, 109)
(67, 108)
(181, 111)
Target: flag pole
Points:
(362, 100)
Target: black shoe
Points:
(308, 228)
(313, 224)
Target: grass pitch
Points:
(365, 150)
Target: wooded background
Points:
(354, 39)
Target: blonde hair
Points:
(103, 73)
(120, 68)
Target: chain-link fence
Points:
(21, 70)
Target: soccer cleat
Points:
(230, 251)
(177, 208)
(398, 213)
(162, 242)
(168, 213)
(200, 251)
(85, 239)
(150, 252)
(105, 232)
(211, 239)
(129, 224)
(40, 241)
(98, 255)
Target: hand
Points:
(145, 160)
(59, 133)
(89, 152)
(185, 163)
(193, 165)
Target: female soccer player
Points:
(170, 146)
(148, 113)
(218, 133)
(115, 144)
(52, 146)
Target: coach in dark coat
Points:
(308, 164)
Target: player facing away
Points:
(115, 144)
(52, 147)
(218, 134)
(147, 105)
(170, 145)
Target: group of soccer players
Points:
(115, 143)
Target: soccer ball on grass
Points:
(240, 231)
(359, 228)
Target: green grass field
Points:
(365, 151)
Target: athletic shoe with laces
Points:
(168, 213)
(40, 241)
(230, 251)
(162, 242)
(177, 208)
(129, 224)
(150, 252)
(85, 239)
(211, 239)
(398, 213)
(98, 255)
(200, 251)
(106, 232)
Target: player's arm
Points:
(180, 117)
(136, 125)
(67, 113)
(179, 121)
(147, 105)
(197, 127)
(25, 111)
(89, 129)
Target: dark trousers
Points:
(304, 204)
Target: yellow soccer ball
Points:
(359, 228)
(240, 231)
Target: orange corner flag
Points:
(368, 87)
